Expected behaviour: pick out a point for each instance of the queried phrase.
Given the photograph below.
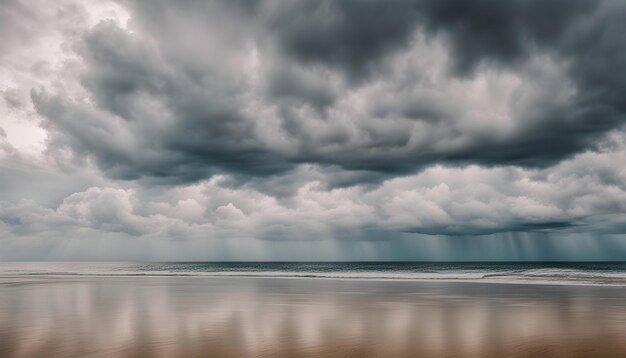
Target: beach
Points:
(335, 178)
(165, 316)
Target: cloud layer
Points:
(357, 121)
(224, 87)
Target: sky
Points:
(313, 130)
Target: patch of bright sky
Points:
(41, 61)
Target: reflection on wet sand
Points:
(249, 317)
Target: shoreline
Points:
(321, 278)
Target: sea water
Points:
(566, 273)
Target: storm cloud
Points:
(350, 120)
(256, 89)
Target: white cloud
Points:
(572, 197)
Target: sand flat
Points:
(277, 317)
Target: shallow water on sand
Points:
(58, 316)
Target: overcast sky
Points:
(313, 130)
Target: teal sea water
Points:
(569, 273)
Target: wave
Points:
(532, 276)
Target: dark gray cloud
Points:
(258, 88)
(352, 34)
(311, 127)
(503, 33)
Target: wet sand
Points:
(273, 317)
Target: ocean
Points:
(561, 273)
